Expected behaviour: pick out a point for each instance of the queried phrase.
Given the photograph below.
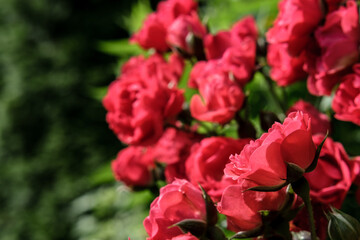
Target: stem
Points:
(311, 218)
(272, 91)
(301, 187)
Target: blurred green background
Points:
(56, 61)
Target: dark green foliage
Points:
(53, 136)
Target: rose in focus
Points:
(263, 161)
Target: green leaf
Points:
(98, 93)
(195, 226)
(342, 226)
(317, 155)
(135, 19)
(248, 234)
(189, 92)
(102, 175)
(122, 48)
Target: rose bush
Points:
(199, 138)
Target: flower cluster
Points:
(200, 147)
(320, 40)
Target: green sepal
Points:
(317, 155)
(268, 188)
(294, 172)
(215, 232)
(195, 226)
(342, 226)
(211, 211)
(249, 234)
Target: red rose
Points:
(133, 166)
(338, 40)
(241, 207)
(346, 103)
(334, 4)
(201, 71)
(320, 122)
(216, 45)
(219, 98)
(182, 29)
(285, 69)
(240, 62)
(205, 165)
(170, 10)
(154, 30)
(177, 201)
(263, 161)
(235, 49)
(333, 175)
(186, 236)
(173, 148)
(152, 34)
(141, 99)
(295, 23)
